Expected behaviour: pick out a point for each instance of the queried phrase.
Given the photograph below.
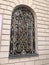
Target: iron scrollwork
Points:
(22, 32)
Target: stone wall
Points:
(41, 8)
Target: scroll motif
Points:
(22, 31)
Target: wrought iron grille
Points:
(22, 32)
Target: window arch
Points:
(22, 37)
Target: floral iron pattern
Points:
(22, 32)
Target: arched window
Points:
(22, 38)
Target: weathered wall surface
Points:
(41, 8)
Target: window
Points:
(0, 26)
(22, 38)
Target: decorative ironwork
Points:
(22, 32)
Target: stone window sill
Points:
(23, 56)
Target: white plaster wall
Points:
(41, 8)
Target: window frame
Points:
(35, 53)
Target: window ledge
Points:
(23, 56)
